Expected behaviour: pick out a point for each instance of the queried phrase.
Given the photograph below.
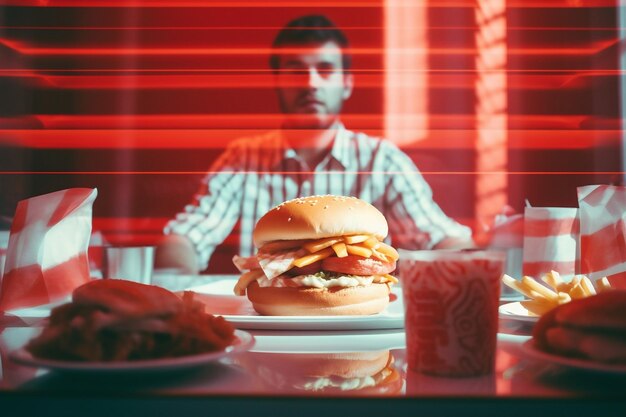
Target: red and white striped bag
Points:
(47, 251)
(602, 211)
(551, 241)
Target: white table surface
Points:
(518, 386)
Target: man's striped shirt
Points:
(255, 174)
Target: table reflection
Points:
(372, 373)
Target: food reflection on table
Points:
(371, 373)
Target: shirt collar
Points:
(339, 150)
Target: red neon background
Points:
(137, 98)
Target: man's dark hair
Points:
(310, 30)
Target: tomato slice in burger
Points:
(306, 270)
(357, 265)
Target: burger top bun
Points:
(606, 310)
(318, 217)
(127, 298)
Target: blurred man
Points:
(312, 154)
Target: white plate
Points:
(516, 311)
(243, 341)
(529, 349)
(219, 298)
(511, 297)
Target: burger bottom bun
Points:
(308, 301)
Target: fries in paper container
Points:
(543, 298)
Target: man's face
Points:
(312, 86)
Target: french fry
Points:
(577, 291)
(340, 249)
(538, 288)
(587, 286)
(568, 286)
(350, 240)
(359, 251)
(388, 251)
(379, 255)
(371, 243)
(245, 280)
(391, 278)
(314, 257)
(564, 298)
(603, 284)
(543, 299)
(553, 279)
(385, 278)
(536, 307)
(318, 245)
(517, 286)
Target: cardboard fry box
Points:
(603, 232)
(507, 235)
(551, 241)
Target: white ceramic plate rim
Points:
(512, 297)
(515, 311)
(243, 342)
(531, 351)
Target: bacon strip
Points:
(275, 264)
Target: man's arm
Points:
(416, 220)
(455, 243)
(175, 251)
(191, 237)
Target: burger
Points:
(352, 373)
(116, 320)
(319, 255)
(592, 328)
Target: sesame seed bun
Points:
(318, 217)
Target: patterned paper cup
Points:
(451, 310)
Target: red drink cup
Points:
(451, 310)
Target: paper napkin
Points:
(47, 252)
